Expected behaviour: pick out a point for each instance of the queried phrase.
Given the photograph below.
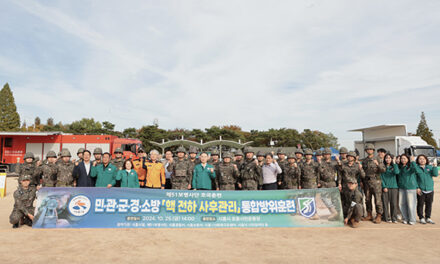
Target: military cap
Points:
(308, 152)
(181, 149)
(227, 155)
(80, 150)
(65, 153)
(118, 150)
(239, 152)
(291, 155)
(352, 180)
(215, 152)
(260, 153)
(327, 151)
(352, 153)
(369, 146)
(299, 151)
(29, 155)
(51, 154)
(141, 149)
(248, 150)
(318, 152)
(97, 151)
(26, 178)
(192, 150)
(281, 151)
(343, 150)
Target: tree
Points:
(85, 126)
(50, 122)
(130, 132)
(9, 117)
(37, 121)
(424, 132)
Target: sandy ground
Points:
(383, 243)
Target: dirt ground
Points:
(383, 243)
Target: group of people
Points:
(399, 185)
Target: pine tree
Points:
(9, 118)
(424, 132)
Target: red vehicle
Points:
(13, 145)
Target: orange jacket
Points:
(141, 172)
(155, 174)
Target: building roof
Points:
(378, 127)
(32, 133)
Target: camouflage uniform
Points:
(309, 173)
(28, 168)
(227, 174)
(283, 164)
(251, 175)
(65, 171)
(24, 204)
(119, 163)
(352, 205)
(181, 174)
(327, 172)
(372, 183)
(350, 173)
(292, 177)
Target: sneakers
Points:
(394, 221)
(412, 223)
(428, 220)
(389, 221)
(15, 226)
(422, 221)
(404, 222)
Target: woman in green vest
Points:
(128, 176)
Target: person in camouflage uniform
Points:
(118, 161)
(193, 160)
(97, 154)
(228, 173)
(318, 155)
(260, 158)
(239, 158)
(350, 170)
(343, 154)
(352, 204)
(292, 173)
(28, 168)
(214, 161)
(182, 170)
(282, 162)
(299, 153)
(80, 154)
(373, 168)
(309, 171)
(327, 173)
(65, 170)
(24, 197)
(48, 171)
(251, 175)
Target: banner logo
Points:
(79, 205)
(307, 206)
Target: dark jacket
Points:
(82, 178)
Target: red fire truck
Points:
(13, 145)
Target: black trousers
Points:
(425, 199)
(270, 186)
(168, 184)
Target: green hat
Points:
(97, 151)
(181, 149)
(118, 150)
(260, 153)
(352, 153)
(227, 155)
(26, 178)
(192, 150)
(65, 153)
(291, 155)
(369, 146)
(248, 150)
(239, 152)
(29, 155)
(281, 151)
(308, 152)
(80, 150)
(51, 154)
(343, 150)
(215, 152)
(327, 151)
(299, 151)
(318, 152)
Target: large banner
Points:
(147, 208)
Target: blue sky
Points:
(326, 65)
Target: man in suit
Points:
(81, 172)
